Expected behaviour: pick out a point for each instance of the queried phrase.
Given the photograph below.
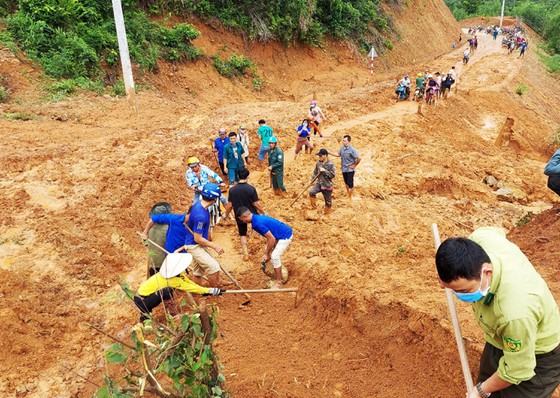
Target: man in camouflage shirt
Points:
(323, 175)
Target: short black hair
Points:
(460, 258)
(347, 137)
(232, 134)
(242, 210)
(243, 173)
(262, 121)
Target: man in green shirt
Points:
(276, 166)
(515, 309)
(265, 133)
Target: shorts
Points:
(542, 385)
(241, 227)
(305, 142)
(263, 151)
(279, 249)
(203, 263)
(348, 177)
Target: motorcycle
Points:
(419, 93)
(401, 93)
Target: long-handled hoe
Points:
(456, 326)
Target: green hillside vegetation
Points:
(543, 16)
(75, 40)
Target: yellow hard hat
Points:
(192, 160)
(420, 74)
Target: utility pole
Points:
(502, 15)
(123, 50)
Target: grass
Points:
(62, 88)
(552, 62)
(23, 116)
(526, 219)
(8, 41)
(521, 89)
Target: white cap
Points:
(174, 264)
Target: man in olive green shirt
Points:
(514, 308)
(276, 166)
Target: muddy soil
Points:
(370, 321)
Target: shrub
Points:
(175, 355)
(72, 38)
(118, 89)
(236, 65)
(521, 89)
(388, 44)
(258, 83)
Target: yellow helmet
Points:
(420, 74)
(192, 160)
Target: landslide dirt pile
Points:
(78, 179)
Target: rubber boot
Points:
(313, 202)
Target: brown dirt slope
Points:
(77, 181)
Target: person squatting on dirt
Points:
(304, 137)
(552, 170)
(243, 135)
(265, 133)
(161, 286)
(233, 157)
(196, 241)
(174, 238)
(349, 159)
(315, 116)
(514, 307)
(323, 173)
(156, 233)
(243, 195)
(278, 237)
(276, 166)
(219, 145)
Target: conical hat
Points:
(174, 264)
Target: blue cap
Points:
(211, 191)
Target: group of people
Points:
(428, 86)
(170, 236)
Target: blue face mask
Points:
(474, 296)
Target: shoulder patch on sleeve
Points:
(512, 345)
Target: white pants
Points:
(279, 249)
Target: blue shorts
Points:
(263, 151)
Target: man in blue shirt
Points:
(278, 237)
(219, 145)
(196, 240)
(552, 170)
